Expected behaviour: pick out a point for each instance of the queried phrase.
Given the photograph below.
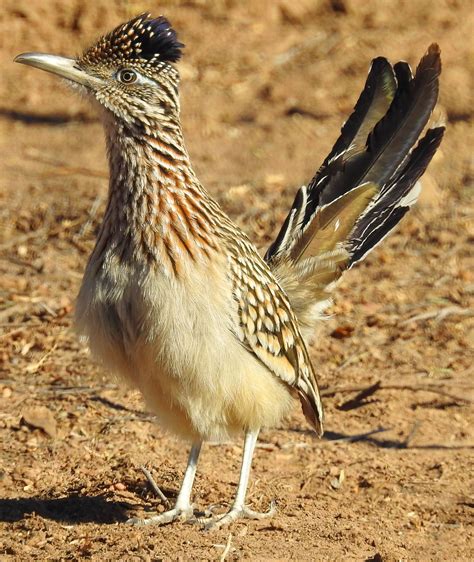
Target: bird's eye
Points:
(127, 76)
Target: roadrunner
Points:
(176, 299)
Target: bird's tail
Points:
(365, 185)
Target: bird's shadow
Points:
(73, 509)
(336, 436)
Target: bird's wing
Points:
(268, 329)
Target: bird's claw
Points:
(175, 514)
(235, 513)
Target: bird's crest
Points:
(143, 40)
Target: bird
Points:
(176, 300)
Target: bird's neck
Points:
(148, 161)
(156, 208)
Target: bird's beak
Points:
(62, 66)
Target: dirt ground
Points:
(265, 87)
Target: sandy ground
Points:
(266, 86)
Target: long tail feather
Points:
(365, 185)
(396, 200)
(394, 135)
(332, 222)
(398, 131)
(372, 105)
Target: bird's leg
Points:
(183, 509)
(239, 509)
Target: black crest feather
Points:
(143, 40)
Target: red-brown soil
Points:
(266, 85)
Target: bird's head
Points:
(129, 71)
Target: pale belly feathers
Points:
(171, 339)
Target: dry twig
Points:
(154, 486)
(439, 314)
(33, 368)
(226, 548)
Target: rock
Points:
(40, 417)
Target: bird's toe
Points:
(175, 514)
(235, 513)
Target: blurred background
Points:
(265, 88)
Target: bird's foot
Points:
(175, 514)
(235, 513)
